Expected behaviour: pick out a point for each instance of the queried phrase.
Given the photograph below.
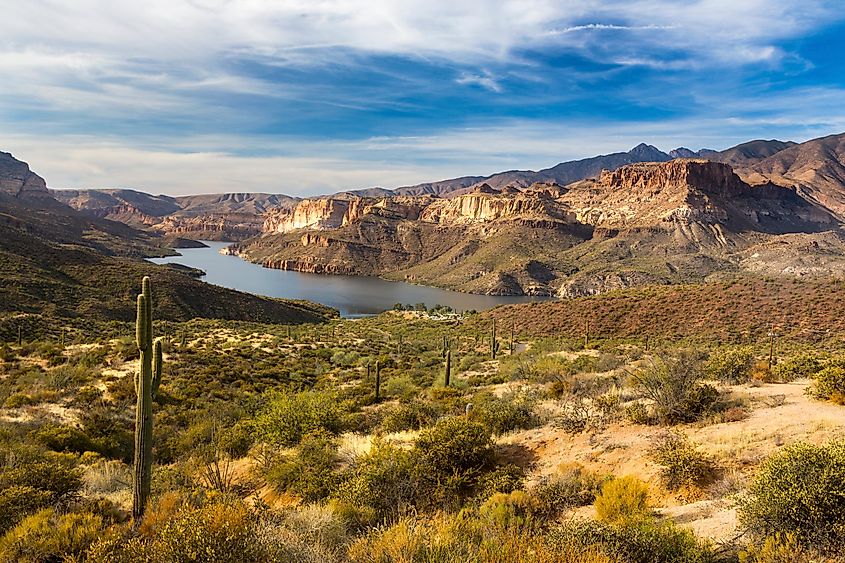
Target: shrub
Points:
(780, 548)
(674, 385)
(448, 538)
(381, 481)
(683, 465)
(639, 541)
(310, 473)
(409, 416)
(18, 501)
(730, 365)
(622, 500)
(571, 487)
(454, 445)
(503, 479)
(503, 414)
(48, 536)
(55, 475)
(65, 438)
(800, 491)
(448, 460)
(288, 417)
(801, 366)
(829, 384)
(516, 509)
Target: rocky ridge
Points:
(662, 222)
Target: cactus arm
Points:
(157, 361)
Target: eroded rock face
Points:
(18, 180)
(484, 206)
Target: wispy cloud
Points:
(103, 93)
(485, 80)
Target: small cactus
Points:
(147, 381)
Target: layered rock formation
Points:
(642, 223)
(16, 179)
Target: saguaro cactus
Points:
(378, 381)
(448, 367)
(147, 381)
(493, 344)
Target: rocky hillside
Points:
(58, 262)
(228, 217)
(17, 180)
(662, 222)
(816, 169)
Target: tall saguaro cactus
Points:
(147, 381)
(493, 344)
(448, 367)
(378, 381)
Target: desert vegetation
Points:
(270, 443)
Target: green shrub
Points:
(382, 481)
(17, 501)
(409, 416)
(801, 366)
(683, 465)
(829, 384)
(638, 541)
(780, 548)
(503, 414)
(48, 536)
(516, 509)
(65, 438)
(622, 500)
(54, 474)
(310, 473)
(454, 445)
(503, 479)
(571, 487)
(800, 490)
(730, 365)
(288, 417)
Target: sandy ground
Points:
(782, 415)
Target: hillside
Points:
(735, 310)
(228, 217)
(815, 168)
(671, 222)
(58, 262)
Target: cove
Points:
(353, 296)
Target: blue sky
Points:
(314, 96)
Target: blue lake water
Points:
(353, 296)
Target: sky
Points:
(315, 96)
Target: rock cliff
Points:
(661, 222)
(16, 179)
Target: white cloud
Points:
(485, 80)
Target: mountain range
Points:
(579, 227)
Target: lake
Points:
(353, 296)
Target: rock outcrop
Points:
(16, 179)
(644, 223)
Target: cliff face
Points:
(645, 223)
(16, 179)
